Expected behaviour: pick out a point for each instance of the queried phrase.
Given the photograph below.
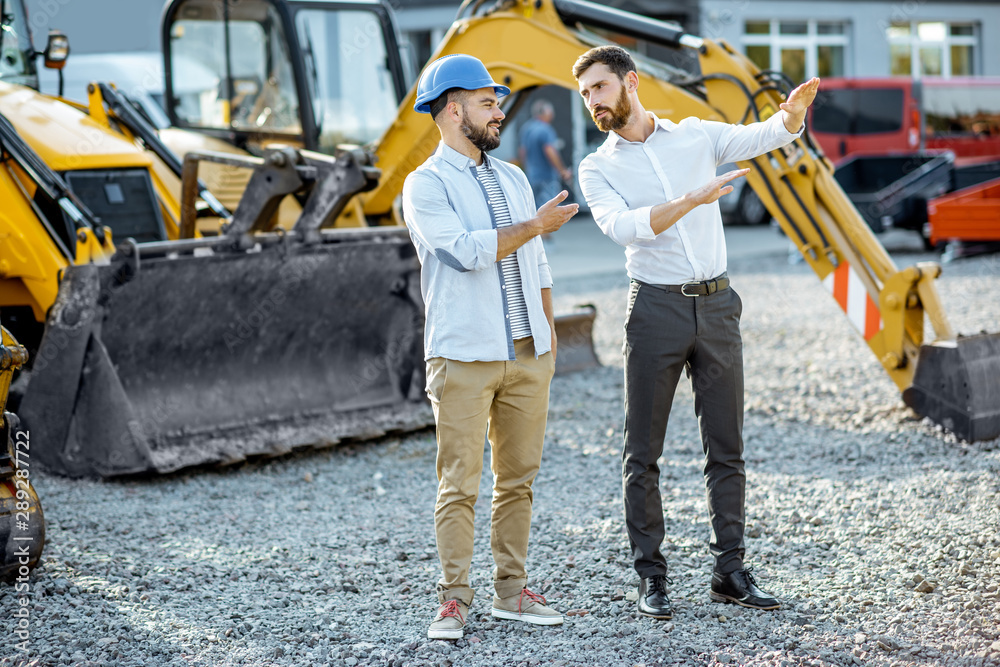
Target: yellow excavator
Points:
(278, 80)
(162, 354)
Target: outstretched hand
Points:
(663, 216)
(716, 187)
(797, 103)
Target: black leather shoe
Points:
(653, 600)
(740, 588)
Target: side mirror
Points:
(56, 50)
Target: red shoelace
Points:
(533, 597)
(450, 608)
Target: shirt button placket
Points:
(681, 232)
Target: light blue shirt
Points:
(623, 180)
(446, 211)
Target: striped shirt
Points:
(452, 226)
(511, 283)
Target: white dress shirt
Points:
(622, 181)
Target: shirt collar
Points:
(456, 159)
(660, 124)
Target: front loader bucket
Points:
(164, 360)
(957, 385)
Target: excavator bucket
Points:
(957, 385)
(209, 351)
(159, 362)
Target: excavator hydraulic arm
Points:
(950, 379)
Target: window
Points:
(17, 61)
(248, 87)
(878, 110)
(801, 49)
(833, 111)
(354, 100)
(932, 48)
(962, 109)
(858, 110)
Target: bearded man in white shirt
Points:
(652, 188)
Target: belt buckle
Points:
(693, 282)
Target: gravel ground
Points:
(878, 530)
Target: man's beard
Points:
(480, 136)
(616, 117)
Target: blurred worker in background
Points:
(539, 154)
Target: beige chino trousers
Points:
(509, 400)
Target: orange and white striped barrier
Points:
(850, 293)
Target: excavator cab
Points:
(309, 74)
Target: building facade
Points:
(860, 38)
(818, 38)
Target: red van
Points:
(902, 115)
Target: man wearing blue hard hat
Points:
(489, 338)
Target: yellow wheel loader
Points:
(278, 79)
(310, 74)
(155, 352)
(163, 354)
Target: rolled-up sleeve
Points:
(610, 210)
(733, 143)
(544, 272)
(434, 224)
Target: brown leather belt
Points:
(696, 287)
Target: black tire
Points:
(750, 209)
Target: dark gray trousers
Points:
(664, 333)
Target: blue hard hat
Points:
(455, 71)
